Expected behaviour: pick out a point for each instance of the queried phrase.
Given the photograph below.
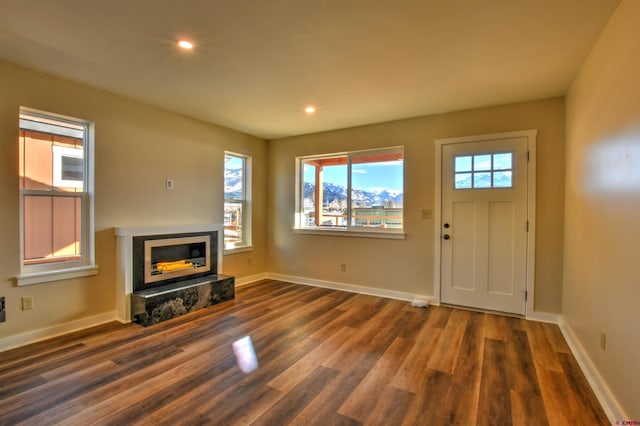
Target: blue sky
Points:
(365, 176)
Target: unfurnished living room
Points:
(335, 212)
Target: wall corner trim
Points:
(250, 279)
(543, 317)
(606, 398)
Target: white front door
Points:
(484, 224)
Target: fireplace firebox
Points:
(164, 259)
(174, 274)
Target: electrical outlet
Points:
(27, 303)
(343, 267)
(603, 340)
(426, 214)
(169, 183)
(3, 313)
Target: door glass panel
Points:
(463, 164)
(481, 162)
(482, 180)
(502, 161)
(502, 180)
(463, 180)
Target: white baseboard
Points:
(609, 403)
(250, 279)
(352, 288)
(543, 317)
(55, 330)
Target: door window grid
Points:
(483, 171)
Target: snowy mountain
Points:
(233, 183)
(332, 192)
(360, 197)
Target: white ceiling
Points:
(258, 63)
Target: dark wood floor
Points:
(326, 358)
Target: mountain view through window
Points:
(367, 191)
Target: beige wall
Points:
(137, 147)
(407, 265)
(602, 244)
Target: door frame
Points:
(531, 208)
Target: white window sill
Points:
(365, 233)
(235, 250)
(56, 275)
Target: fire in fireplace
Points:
(164, 259)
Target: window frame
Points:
(348, 230)
(246, 242)
(71, 268)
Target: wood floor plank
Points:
(297, 372)
(495, 327)
(25, 405)
(127, 403)
(556, 338)
(439, 317)
(392, 407)
(368, 394)
(244, 394)
(494, 405)
(325, 358)
(325, 406)
(559, 407)
(578, 385)
(432, 390)
(296, 400)
(544, 355)
(446, 351)
(375, 335)
(526, 397)
(416, 362)
(526, 410)
(461, 403)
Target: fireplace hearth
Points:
(170, 271)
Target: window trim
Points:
(247, 243)
(85, 266)
(348, 230)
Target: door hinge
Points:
(528, 156)
(527, 226)
(526, 295)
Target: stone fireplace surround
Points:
(218, 285)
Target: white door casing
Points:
(484, 237)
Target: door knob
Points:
(446, 236)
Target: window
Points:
(237, 197)
(355, 191)
(483, 171)
(55, 197)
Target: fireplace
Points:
(164, 259)
(167, 271)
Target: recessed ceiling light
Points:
(187, 45)
(310, 109)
